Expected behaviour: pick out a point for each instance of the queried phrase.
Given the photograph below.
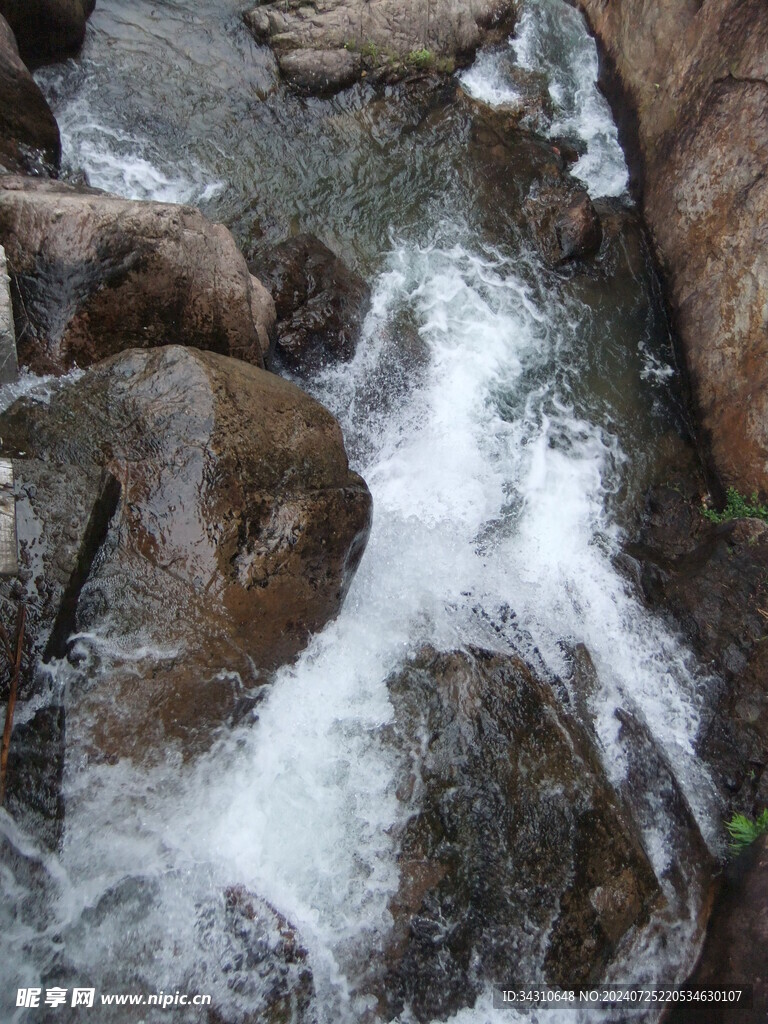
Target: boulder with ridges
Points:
(395, 38)
(93, 274)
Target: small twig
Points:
(6, 644)
(12, 701)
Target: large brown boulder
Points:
(237, 534)
(688, 83)
(48, 29)
(518, 863)
(93, 274)
(320, 303)
(389, 37)
(29, 135)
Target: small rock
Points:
(320, 303)
(578, 228)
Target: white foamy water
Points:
(551, 40)
(124, 163)
(491, 490)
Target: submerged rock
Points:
(29, 135)
(320, 72)
(93, 274)
(519, 864)
(323, 43)
(523, 189)
(238, 532)
(688, 83)
(48, 29)
(320, 303)
(528, 104)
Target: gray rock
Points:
(403, 36)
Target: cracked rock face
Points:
(238, 531)
(689, 83)
(326, 39)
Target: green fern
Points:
(744, 831)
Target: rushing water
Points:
(506, 419)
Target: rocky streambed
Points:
(377, 650)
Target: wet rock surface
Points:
(526, 190)
(29, 135)
(320, 72)
(238, 531)
(519, 862)
(265, 963)
(578, 229)
(48, 29)
(713, 579)
(688, 83)
(93, 274)
(62, 513)
(331, 42)
(320, 303)
(9, 366)
(734, 952)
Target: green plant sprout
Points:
(421, 58)
(744, 831)
(737, 507)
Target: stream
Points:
(507, 419)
